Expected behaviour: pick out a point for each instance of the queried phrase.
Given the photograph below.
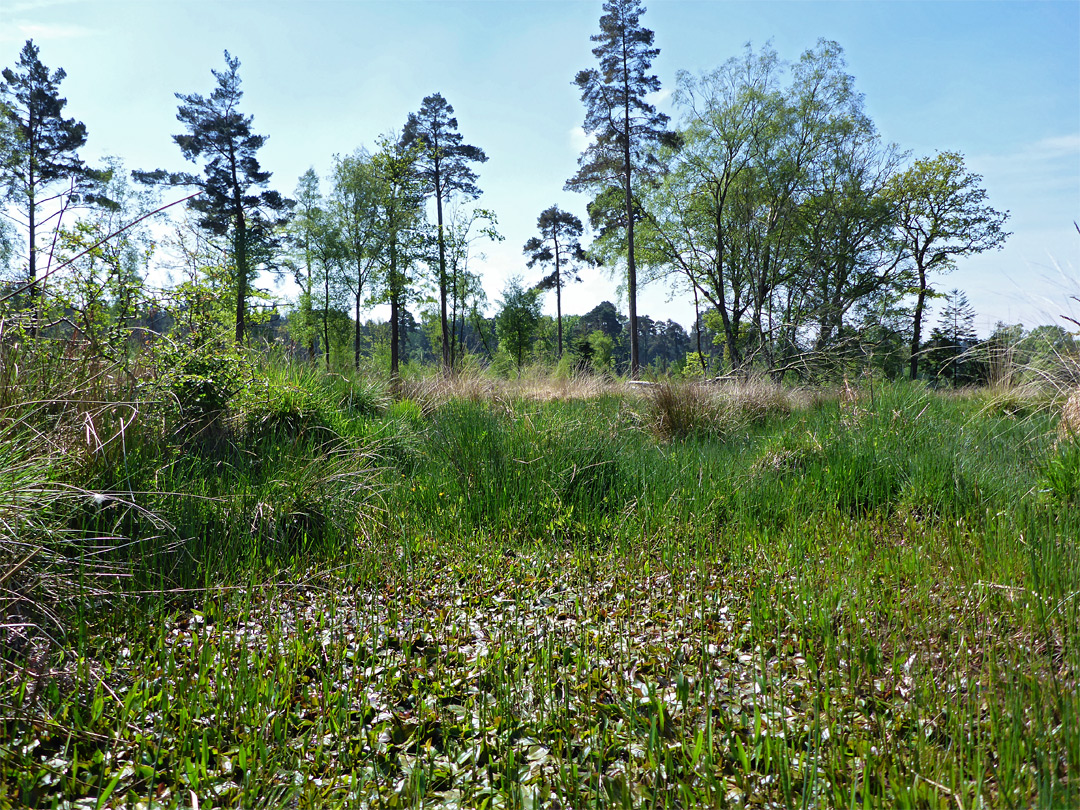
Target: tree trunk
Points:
(326, 316)
(395, 316)
(446, 358)
(356, 333)
(241, 273)
(631, 268)
(916, 326)
(558, 289)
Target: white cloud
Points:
(658, 98)
(44, 31)
(1047, 170)
(23, 6)
(1057, 146)
(579, 140)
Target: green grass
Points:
(496, 599)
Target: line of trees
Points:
(774, 201)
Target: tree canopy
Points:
(559, 244)
(38, 146)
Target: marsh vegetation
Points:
(234, 581)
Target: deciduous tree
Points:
(354, 213)
(517, 320)
(301, 234)
(401, 220)
(943, 214)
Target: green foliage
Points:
(942, 214)
(517, 321)
(195, 381)
(38, 146)
(441, 164)
(411, 601)
(1060, 473)
(626, 131)
(601, 351)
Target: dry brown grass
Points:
(1069, 426)
(680, 410)
(475, 385)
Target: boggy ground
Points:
(489, 596)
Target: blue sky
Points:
(998, 81)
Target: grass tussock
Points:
(476, 385)
(709, 409)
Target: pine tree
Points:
(38, 146)
(952, 339)
(230, 204)
(443, 166)
(559, 243)
(624, 125)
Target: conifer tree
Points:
(443, 167)
(559, 243)
(625, 126)
(38, 146)
(220, 136)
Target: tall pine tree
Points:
(559, 243)
(220, 136)
(625, 127)
(443, 166)
(38, 146)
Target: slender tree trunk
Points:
(240, 249)
(326, 316)
(31, 182)
(731, 338)
(356, 333)
(395, 316)
(446, 356)
(33, 233)
(309, 315)
(558, 288)
(241, 273)
(631, 267)
(697, 329)
(916, 326)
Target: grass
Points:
(550, 594)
